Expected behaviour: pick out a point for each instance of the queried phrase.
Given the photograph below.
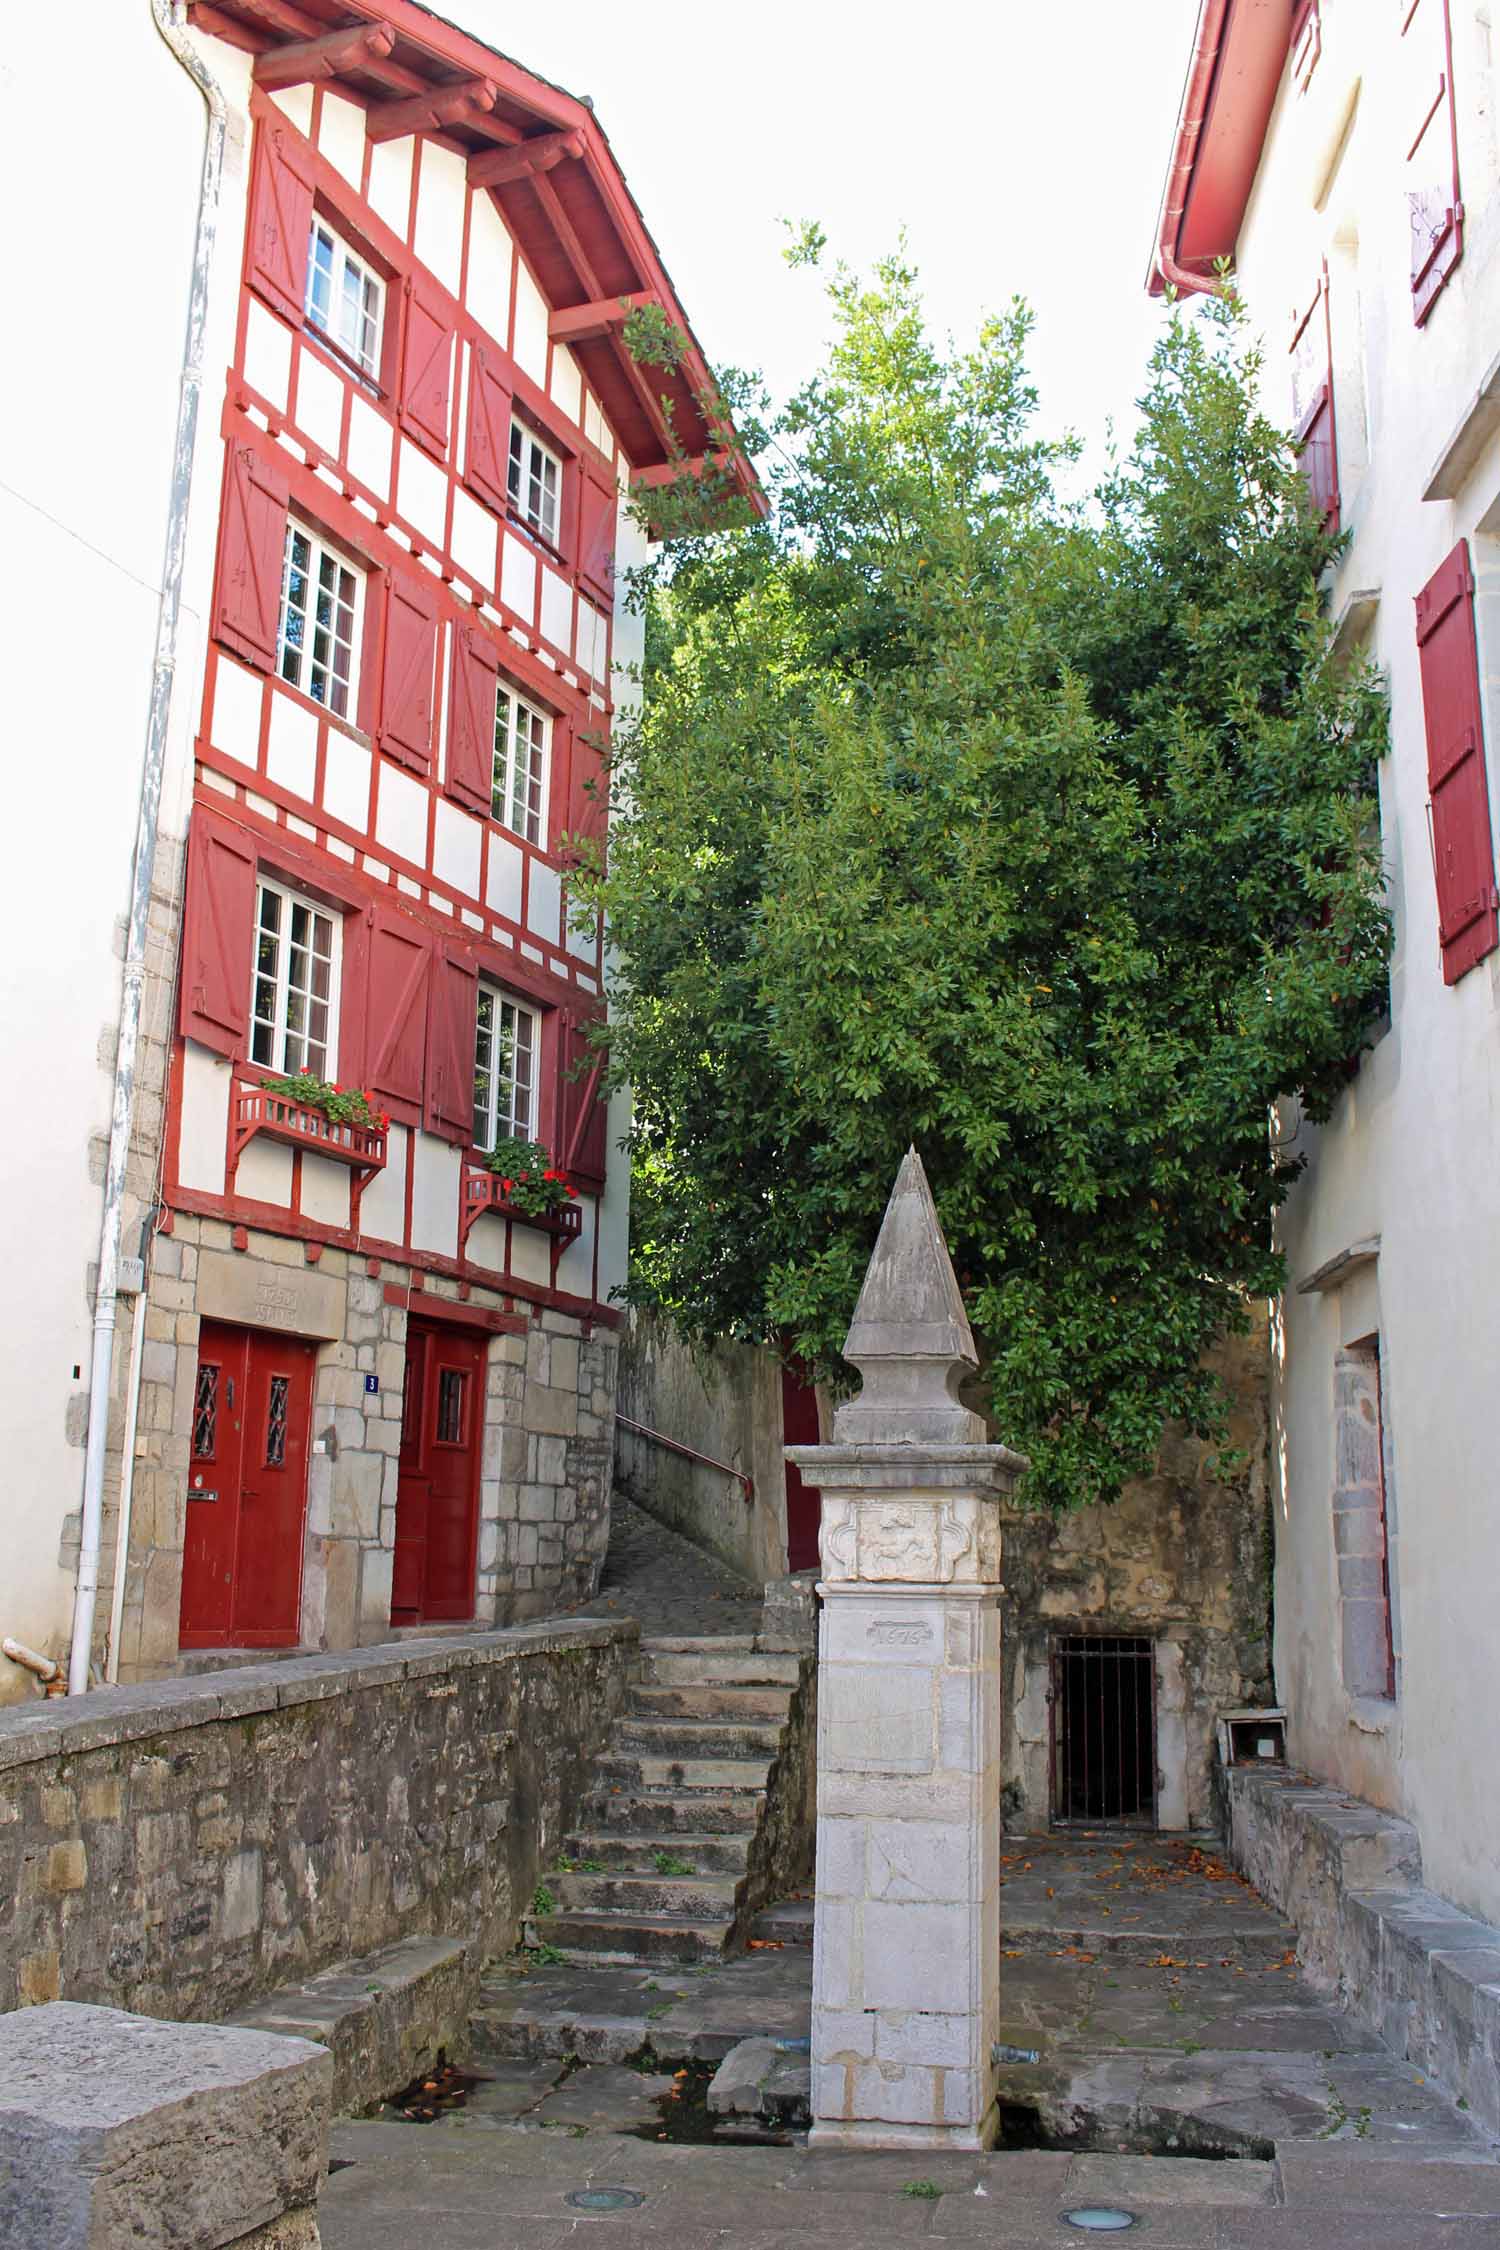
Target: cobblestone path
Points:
(672, 1586)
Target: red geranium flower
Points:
(506, 1185)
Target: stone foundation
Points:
(547, 1446)
(186, 1849)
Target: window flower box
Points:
(484, 1190)
(302, 1124)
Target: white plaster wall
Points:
(1411, 1153)
(83, 511)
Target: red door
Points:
(247, 1490)
(804, 1509)
(437, 1499)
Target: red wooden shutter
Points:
(1462, 848)
(281, 207)
(582, 1121)
(597, 503)
(1316, 435)
(588, 782)
(451, 1020)
(1430, 134)
(426, 365)
(252, 545)
(218, 935)
(397, 966)
(471, 718)
(488, 462)
(407, 676)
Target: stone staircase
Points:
(661, 1866)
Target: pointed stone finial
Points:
(910, 1336)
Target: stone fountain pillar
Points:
(906, 1934)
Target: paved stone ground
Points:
(672, 1586)
(1161, 1990)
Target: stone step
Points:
(694, 1738)
(675, 1777)
(665, 1812)
(626, 1939)
(735, 1667)
(789, 1922)
(383, 2016)
(713, 1701)
(680, 1898)
(700, 1644)
(637, 1854)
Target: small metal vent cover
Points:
(604, 2199)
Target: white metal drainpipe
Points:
(169, 20)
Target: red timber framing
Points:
(547, 163)
(381, 816)
(1463, 851)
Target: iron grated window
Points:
(276, 1422)
(206, 1413)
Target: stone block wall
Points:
(184, 1848)
(546, 1450)
(1182, 1559)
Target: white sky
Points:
(1022, 144)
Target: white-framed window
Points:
(345, 297)
(322, 595)
(295, 1002)
(534, 481)
(518, 789)
(507, 1052)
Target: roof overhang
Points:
(547, 162)
(1238, 57)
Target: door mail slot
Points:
(195, 1493)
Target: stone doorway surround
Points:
(549, 1383)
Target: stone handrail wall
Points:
(183, 1848)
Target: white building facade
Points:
(1344, 155)
(360, 1378)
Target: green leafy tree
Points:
(1039, 834)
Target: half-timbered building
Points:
(371, 1381)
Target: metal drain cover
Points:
(1100, 2219)
(604, 2199)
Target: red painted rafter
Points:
(578, 324)
(495, 167)
(567, 235)
(467, 103)
(335, 52)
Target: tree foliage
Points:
(1037, 834)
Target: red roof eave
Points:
(1239, 54)
(429, 41)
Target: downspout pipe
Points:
(167, 15)
(1213, 20)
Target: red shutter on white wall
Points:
(1430, 134)
(281, 207)
(597, 502)
(471, 718)
(218, 935)
(451, 1017)
(588, 785)
(426, 365)
(582, 1121)
(397, 966)
(1462, 848)
(488, 463)
(1316, 432)
(406, 688)
(252, 544)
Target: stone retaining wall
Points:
(183, 1849)
(1411, 1966)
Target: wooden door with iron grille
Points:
(247, 1489)
(437, 1496)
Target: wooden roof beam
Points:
(494, 167)
(576, 324)
(463, 104)
(328, 57)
